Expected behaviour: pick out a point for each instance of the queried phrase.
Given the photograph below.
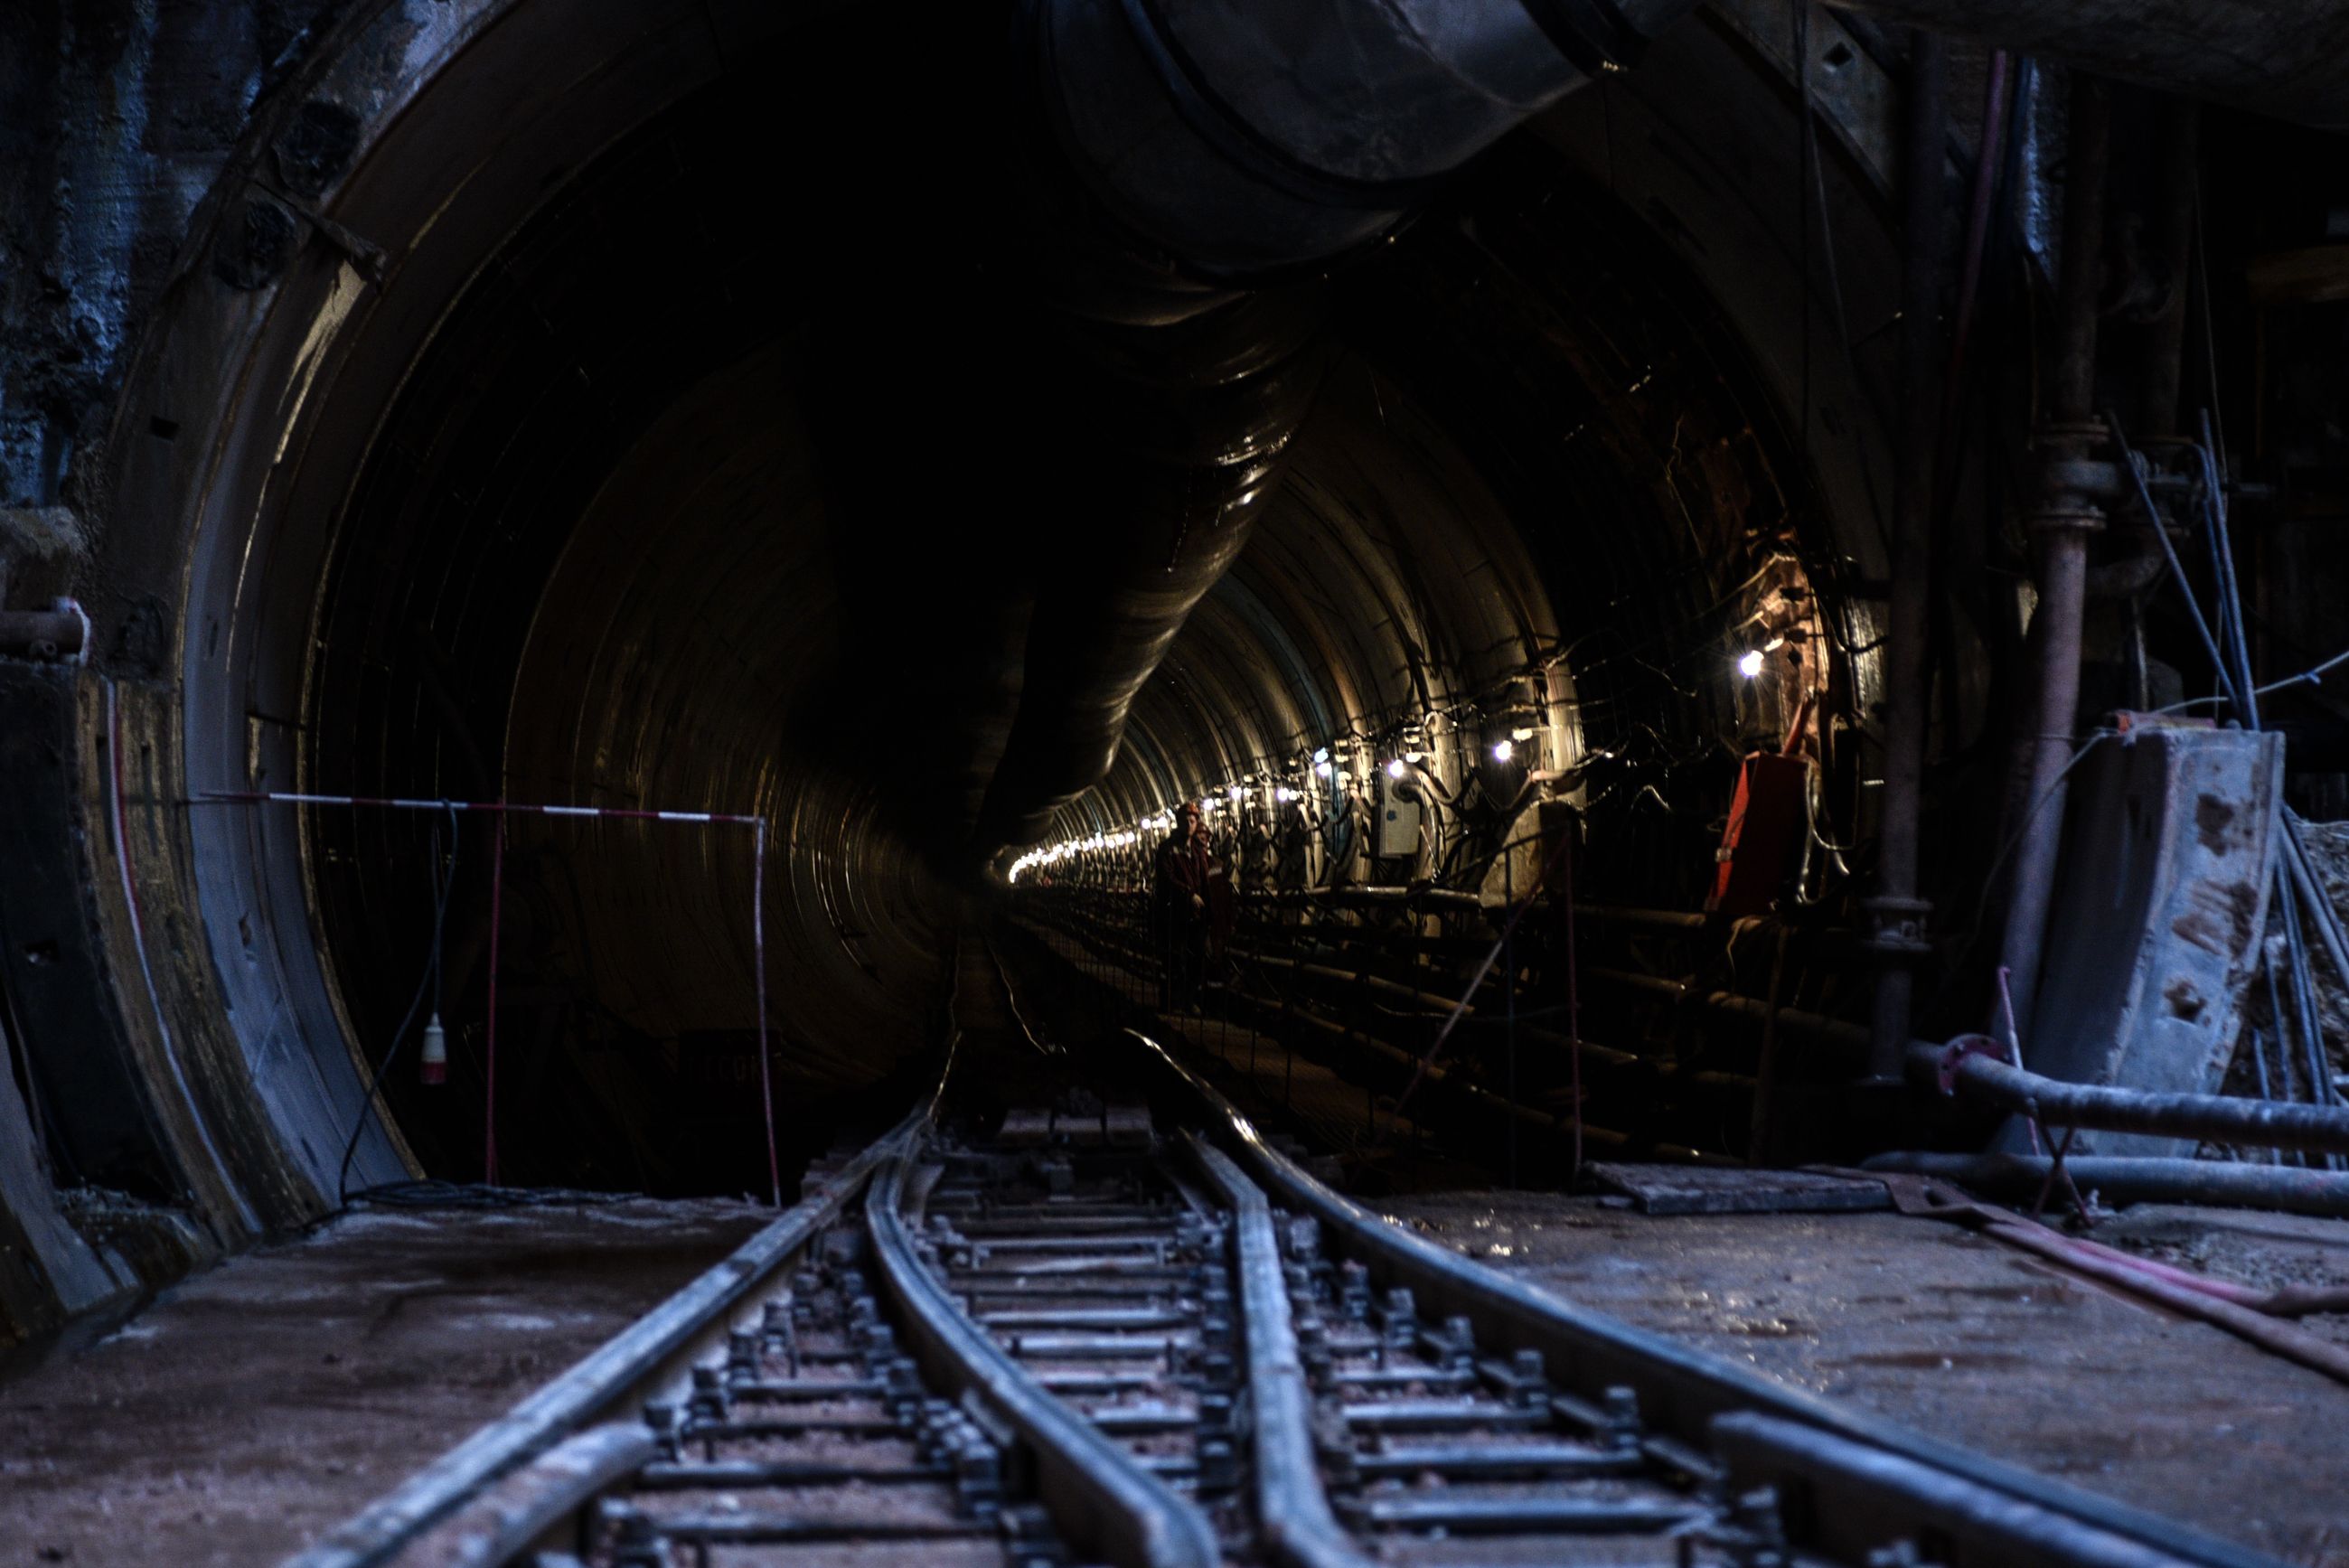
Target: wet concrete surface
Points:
(1975, 1343)
(246, 1411)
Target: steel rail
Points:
(1098, 1496)
(529, 1508)
(1293, 1514)
(1876, 1492)
(1683, 1391)
(656, 1350)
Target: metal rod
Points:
(2219, 1118)
(2282, 1028)
(1509, 995)
(2170, 554)
(2223, 549)
(2326, 919)
(490, 1056)
(2121, 1180)
(2303, 996)
(1573, 997)
(758, 959)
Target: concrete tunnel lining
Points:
(445, 165)
(945, 433)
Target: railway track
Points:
(1068, 1333)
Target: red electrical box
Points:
(1767, 822)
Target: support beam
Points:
(1897, 913)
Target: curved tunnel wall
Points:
(304, 462)
(307, 453)
(1546, 468)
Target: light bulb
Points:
(1504, 750)
(1394, 768)
(1323, 767)
(1749, 664)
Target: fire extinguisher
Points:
(436, 1052)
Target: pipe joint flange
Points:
(2062, 519)
(2085, 476)
(1952, 1057)
(1897, 926)
(2073, 436)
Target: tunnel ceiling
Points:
(710, 442)
(1540, 458)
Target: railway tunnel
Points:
(563, 558)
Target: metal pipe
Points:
(44, 633)
(2121, 1180)
(1896, 915)
(2218, 1119)
(2062, 522)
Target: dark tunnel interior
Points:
(1469, 777)
(709, 494)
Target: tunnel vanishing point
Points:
(1792, 522)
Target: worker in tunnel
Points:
(1180, 885)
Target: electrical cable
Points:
(444, 879)
(2177, 568)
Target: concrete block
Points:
(2155, 928)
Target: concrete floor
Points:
(248, 1411)
(1978, 1344)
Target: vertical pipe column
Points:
(2060, 523)
(1896, 915)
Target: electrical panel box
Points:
(1398, 822)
